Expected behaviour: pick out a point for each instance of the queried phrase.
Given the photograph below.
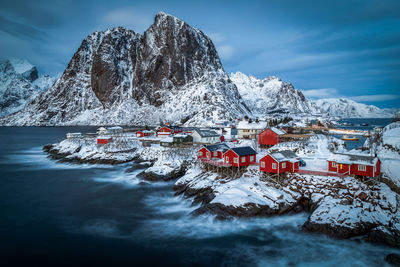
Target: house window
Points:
(284, 165)
(251, 158)
(226, 159)
(208, 154)
(340, 166)
(274, 166)
(215, 154)
(334, 164)
(362, 168)
(235, 160)
(262, 164)
(244, 159)
(200, 153)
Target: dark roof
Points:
(206, 133)
(217, 147)
(244, 151)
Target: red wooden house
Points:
(361, 165)
(168, 131)
(143, 133)
(280, 162)
(104, 139)
(215, 151)
(165, 131)
(270, 136)
(240, 156)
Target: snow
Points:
(21, 66)
(277, 131)
(251, 125)
(389, 152)
(346, 108)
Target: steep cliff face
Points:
(271, 95)
(19, 84)
(170, 73)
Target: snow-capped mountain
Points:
(346, 108)
(172, 72)
(20, 84)
(271, 95)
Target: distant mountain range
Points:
(171, 72)
(20, 83)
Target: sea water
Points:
(70, 214)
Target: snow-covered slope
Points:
(271, 95)
(346, 108)
(170, 73)
(20, 84)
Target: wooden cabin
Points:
(144, 133)
(165, 131)
(104, 140)
(270, 137)
(240, 156)
(212, 151)
(280, 162)
(360, 165)
(204, 136)
(250, 130)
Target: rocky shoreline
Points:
(366, 211)
(309, 197)
(55, 154)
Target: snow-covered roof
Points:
(217, 147)
(104, 137)
(353, 159)
(145, 131)
(167, 140)
(251, 125)
(181, 135)
(206, 133)
(277, 131)
(115, 128)
(284, 155)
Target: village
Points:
(229, 150)
(262, 168)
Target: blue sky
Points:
(326, 48)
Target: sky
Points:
(325, 48)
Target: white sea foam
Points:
(34, 158)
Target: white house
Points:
(249, 130)
(203, 136)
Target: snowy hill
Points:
(19, 85)
(170, 73)
(271, 95)
(346, 108)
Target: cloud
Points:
(128, 17)
(225, 51)
(321, 93)
(20, 30)
(374, 98)
(217, 38)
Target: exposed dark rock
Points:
(153, 177)
(393, 259)
(337, 231)
(384, 236)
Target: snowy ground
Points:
(339, 206)
(389, 152)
